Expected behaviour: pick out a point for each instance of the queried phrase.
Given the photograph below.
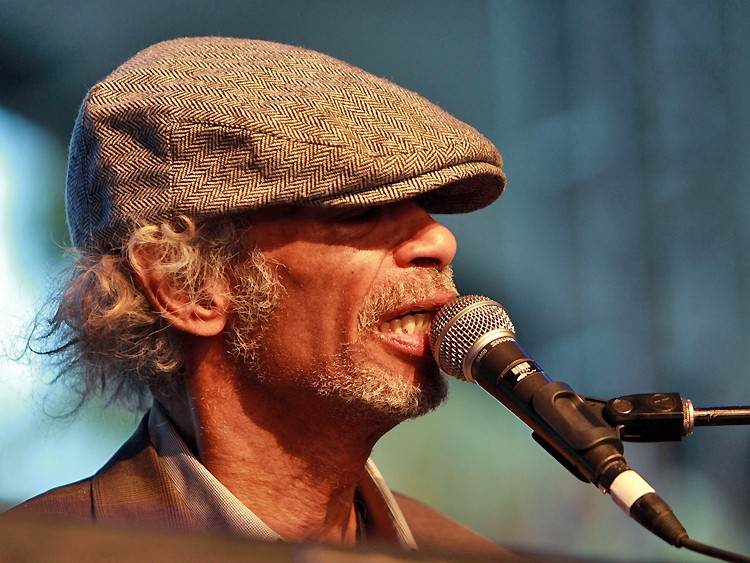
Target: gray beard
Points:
(361, 390)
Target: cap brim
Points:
(460, 188)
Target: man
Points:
(256, 254)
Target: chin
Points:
(412, 397)
(381, 398)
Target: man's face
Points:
(360, 287)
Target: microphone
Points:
(473, 339)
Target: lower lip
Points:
(416, 345)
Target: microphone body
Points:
(473, 339)
(557, 415)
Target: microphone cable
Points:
(714, 552)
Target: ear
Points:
(174, 305)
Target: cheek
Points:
(324, 294)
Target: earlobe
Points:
(207, 320)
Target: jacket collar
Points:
(133, 487)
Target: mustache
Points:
(395, 294)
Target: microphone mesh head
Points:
(459, 324)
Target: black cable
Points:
(711, 551)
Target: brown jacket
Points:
(133, 488)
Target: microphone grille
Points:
(459, 324)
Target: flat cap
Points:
(208, 126)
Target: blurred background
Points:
(619, 248)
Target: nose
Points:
(427, 243)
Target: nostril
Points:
(427, 262)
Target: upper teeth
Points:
(408, 324)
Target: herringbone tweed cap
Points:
(209, 126)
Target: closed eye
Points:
(355, 214)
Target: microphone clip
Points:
(662, 417)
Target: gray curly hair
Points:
(104, 337)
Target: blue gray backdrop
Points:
(619, 248)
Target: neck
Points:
(288, 459)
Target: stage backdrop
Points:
(619, 249)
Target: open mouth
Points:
(413, 322)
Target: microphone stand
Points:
(667, 417)
(662, 417)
